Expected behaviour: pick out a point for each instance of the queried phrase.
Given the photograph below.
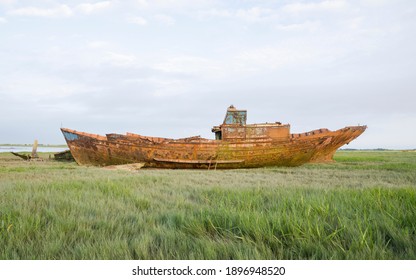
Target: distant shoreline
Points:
(39, 145)
(28, 148)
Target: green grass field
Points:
(361, 207)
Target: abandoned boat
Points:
(236, 145)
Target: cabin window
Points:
(218, 135)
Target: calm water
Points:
(18, 149)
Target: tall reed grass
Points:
(361, 207)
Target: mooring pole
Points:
(34, 149)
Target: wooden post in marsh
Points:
(34, 149)
(34, 154)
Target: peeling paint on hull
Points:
(239, 146)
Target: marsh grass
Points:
(361, 207)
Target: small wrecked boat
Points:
(236, 145)
(63, 156)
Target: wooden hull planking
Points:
(195, 152)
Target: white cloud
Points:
(174, 5)
(142, 3)
(271, 58)
(61, 10)
(88, 8)
(327, 5)
(305, 26)
(137, 20)
(98, 44)
(35, 87)
(164, 19)
(255, 14)
(252, 14)
(375, 3)
(3, 20)
(58, 11)
(216, 13)
(354, 23)
(168, 87)
(119, 59)
(7, 2)
(189, 65)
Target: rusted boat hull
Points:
(195, 152)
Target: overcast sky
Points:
(171, 68)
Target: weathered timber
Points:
(236, 145)
(198, 161)
(64, 156)
(35, 150)
(23, 156)
(32, 156)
